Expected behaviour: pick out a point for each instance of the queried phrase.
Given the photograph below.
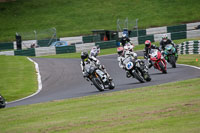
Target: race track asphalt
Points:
(62, 79)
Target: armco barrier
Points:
(7, 53)
(84, 47)
(178, 35)
(158, 37)
(172, 36)
(142, 39)
(91, 38)
(176, 28)
(192, 26)
(107, 44)
(156, 30)
(65, 49)
(41, 51)
(46, 42)
(28, 52)
(6, 46)
(72, 40)
(136, 33)
(193, 33)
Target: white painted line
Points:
(39, 83)
(190, 66)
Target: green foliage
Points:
(72, 18)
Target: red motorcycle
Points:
(158, 60)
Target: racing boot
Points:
(128, 75)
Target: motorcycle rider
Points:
(166, 41)
(95, 51)
(91, 60)
(121, 56)
(147, 49)
(124, 40)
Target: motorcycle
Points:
(99, 78)
(158, 60)
(136, 68)
(170, 55)
(2, 102)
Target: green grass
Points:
(18, 77)
(189, 59)
(171, 107)
(72, 18)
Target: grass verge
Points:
(189, 59)
(18, 78)
(72, 18)
(172, 107)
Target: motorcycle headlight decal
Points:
(129, 65)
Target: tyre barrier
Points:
(190, 47)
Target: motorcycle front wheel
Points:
(2, 102)
(162, 67)
(172, 61)
(111, 85)
(147, 78)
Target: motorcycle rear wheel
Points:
(98, 84)
(138, 76)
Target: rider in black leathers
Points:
(165, 41)
(124, 40)
(147, 50)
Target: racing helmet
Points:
(120, 50)
(98, 47)
(164, 37)
(84, 55)
(148, 43)
(123, 35)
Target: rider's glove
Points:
(123, 67)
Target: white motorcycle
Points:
(136, 67)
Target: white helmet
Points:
(123, 35)
(164, 37)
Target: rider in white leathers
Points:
(95, 51)
(122, 54)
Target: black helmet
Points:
(84, 55)
(97, 46)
